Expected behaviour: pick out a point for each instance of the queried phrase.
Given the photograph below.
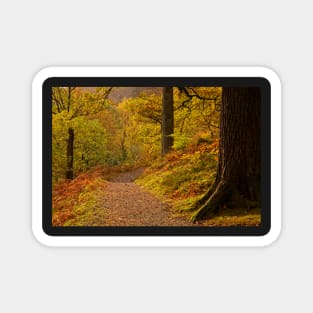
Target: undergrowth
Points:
(181, 177)
(76, 202)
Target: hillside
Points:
(157, 195)
(119, 93)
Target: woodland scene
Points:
(156, 156)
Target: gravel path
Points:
(127, 204)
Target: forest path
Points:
(127, 204)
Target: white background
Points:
(36, 34)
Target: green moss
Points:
(181, 177)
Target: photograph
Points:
(171, 156)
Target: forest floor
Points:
(94, 199)
(143, 197)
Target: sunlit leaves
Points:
(78, 108)
(128, 132)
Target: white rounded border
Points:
(157, 241)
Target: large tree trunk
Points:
(238, 175)
(70, 154)
(167, 120)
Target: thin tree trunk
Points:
(167, 120)
(239, 164)
(70, 154)
(124, 152)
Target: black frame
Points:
(260, 82)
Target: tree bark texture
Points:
(167, 120)
(239, 163)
